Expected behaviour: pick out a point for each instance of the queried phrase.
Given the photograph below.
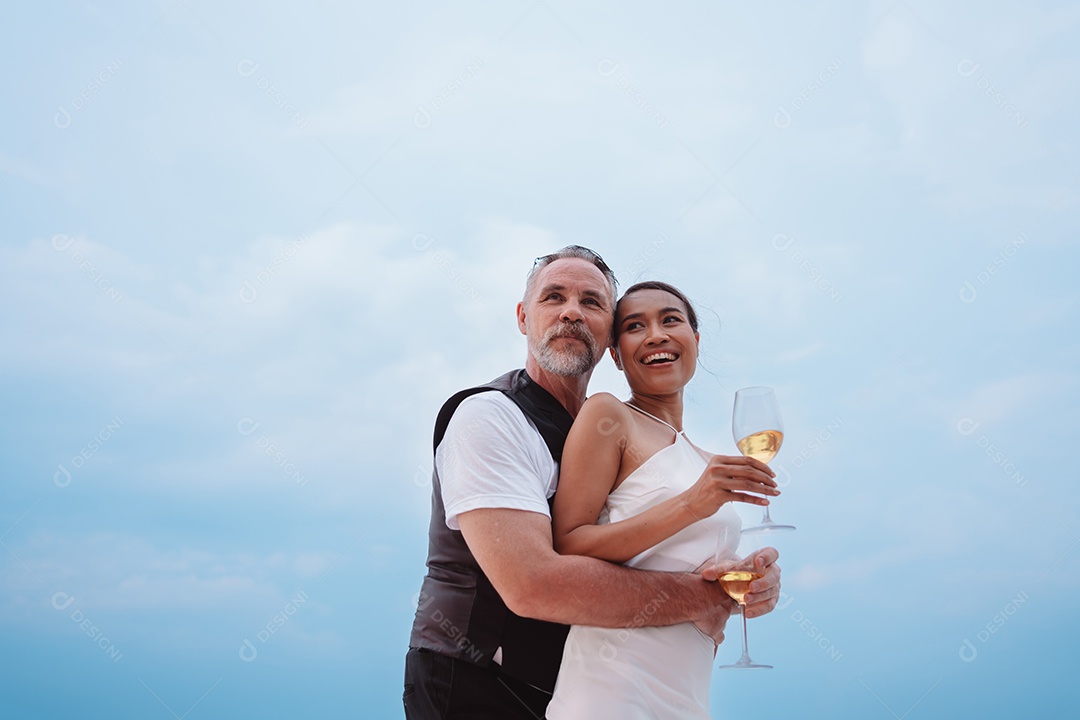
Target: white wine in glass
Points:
(736, 583)
(759, 432)
(762, 446)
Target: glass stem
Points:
(745, 642)
(765, 519)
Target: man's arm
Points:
(514, 546)
(514, 550)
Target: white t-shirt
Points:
(492, 456)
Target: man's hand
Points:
(765, 591)
(717, 613)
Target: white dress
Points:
(646, 672)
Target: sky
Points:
(247, 250)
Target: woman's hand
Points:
(730, 479)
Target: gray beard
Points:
(567, 363)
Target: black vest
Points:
(459, 613)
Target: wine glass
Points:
(736, 583)
(758, 432)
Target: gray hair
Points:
(571, 251)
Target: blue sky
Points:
(247, 250)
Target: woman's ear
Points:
(615, 356)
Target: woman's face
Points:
(656, 348)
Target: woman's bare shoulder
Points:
(605, 403)
(604, 412)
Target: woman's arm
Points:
(589, 467)
(590, 464)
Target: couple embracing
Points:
(570, 551)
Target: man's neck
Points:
(569, 391)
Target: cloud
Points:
(799, 354)
(1006, 399)
(114, 572)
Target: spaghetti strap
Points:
(635, 407)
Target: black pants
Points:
(438, 687)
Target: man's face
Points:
(568, 317)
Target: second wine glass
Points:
(736, 583)
(758, 432)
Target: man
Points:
(496, 602)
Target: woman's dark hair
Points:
(691, 315)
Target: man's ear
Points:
(615, 356)
(521, 317)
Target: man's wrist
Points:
(709, 594)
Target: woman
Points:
(633, 489)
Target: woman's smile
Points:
(661, 358)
